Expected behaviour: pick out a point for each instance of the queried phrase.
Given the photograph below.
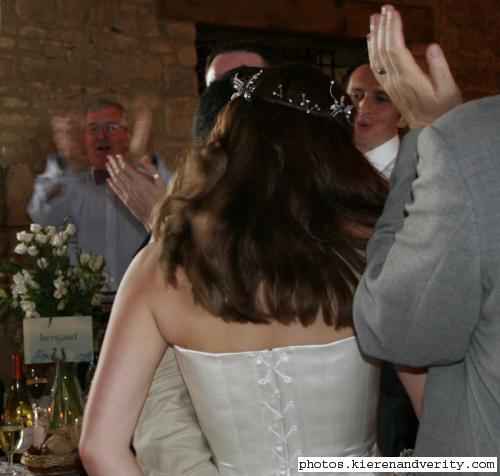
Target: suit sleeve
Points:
(168, 440)
(419, 298)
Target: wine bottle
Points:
(17, 409)
(2, 390)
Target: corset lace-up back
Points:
(261, 410)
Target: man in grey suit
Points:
(430, 295)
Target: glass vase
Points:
(66, 408)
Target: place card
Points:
(52, 339)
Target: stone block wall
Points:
(470, 36)
(57, 55)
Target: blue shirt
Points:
(104, 224)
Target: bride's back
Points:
(184, 323)
(258, 249)
(261, 238)
(265, 394)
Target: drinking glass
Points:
(11, 435)
(38, 378)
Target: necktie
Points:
(100, 176)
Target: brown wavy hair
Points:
(270, 217)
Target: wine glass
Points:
(37, 381)
(11, 436)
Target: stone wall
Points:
(470, 36)
(58, 55)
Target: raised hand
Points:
(66, 132)
(142, 124)
(421, 98)
(139, 191)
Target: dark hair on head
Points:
(270, 57)
(101, 103)
(270, 217)
(361, 60)
(213, 99)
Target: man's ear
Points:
(402, 122)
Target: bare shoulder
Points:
(148, 265)
(144, 273)
(147, 275)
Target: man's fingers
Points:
(121, 168)
(382, 37)
(400, 67)
(112, 166)
(399, 58)
(120, 161)
(440, 73)
(116, 174)
(373, 50)
(119, 192)
(394, 29)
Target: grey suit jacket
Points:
(430, 295)
(168, 439)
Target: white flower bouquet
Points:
(43, 281)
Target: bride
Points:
(259, 245)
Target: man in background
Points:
(74, 185)
(378, 122)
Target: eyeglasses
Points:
(110, 128)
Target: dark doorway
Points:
(332, 55)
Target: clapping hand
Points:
(421, 98)
(139, 191)
(142, 124)
(67, 138)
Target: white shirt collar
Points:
(383, 156)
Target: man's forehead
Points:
(362, 78)
(363, 88)
(229, 60)
(104, 115)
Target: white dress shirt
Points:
(383, 156)
(104, 224)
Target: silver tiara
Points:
(246, 89)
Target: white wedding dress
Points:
(261, 410)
